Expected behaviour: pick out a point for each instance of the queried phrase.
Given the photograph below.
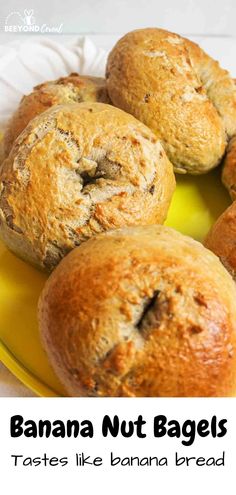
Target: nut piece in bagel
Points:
(229, 169)
(70, 89)
(141, 311)
(222, 239)
(77, 170)
(175, 88)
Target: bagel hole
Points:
(156, 310)
(88, 179)
(90, 170)
(148, 307)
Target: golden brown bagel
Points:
(229, 169)
(70, 89)
(222, 239)
(141, 311)
(77, 170)
(175, 88)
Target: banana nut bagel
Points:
(169, 83)
(141, 311)
(69, 89)
(77, 170)
(222, 239)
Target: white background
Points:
(208, 17)
(117, 480)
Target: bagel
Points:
(77, 170)
(141, 311)
(73, 88)
(222, 239)
(181, 93)
(229, 169)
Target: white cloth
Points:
(27, 62)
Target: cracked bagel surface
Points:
(69, 89)
(77, 170)
(141, 311)
(169, 83)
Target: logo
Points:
(25, 23)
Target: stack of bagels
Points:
(132, 308)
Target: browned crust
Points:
(141, 312)
(229, 169)
(222, 239)
(73, 88)
(180, 92)
(77, 170)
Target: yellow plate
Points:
(197, 202)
